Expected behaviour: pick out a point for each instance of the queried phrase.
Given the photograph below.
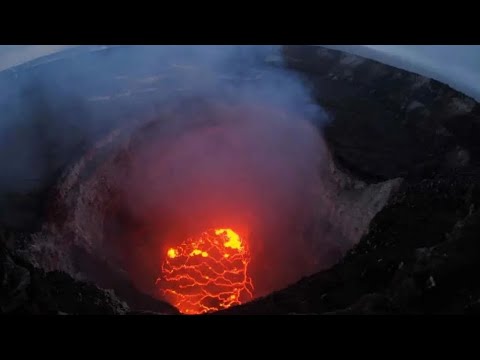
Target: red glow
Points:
(207, 273)
(246, 167)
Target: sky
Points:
(455, 65)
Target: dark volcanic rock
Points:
(370, 304)
(386, 122)
(109, 278)
(421, 256)
(27, 290)
(15, 280)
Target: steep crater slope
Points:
(388, 123)
(384, 124)
(420, 254)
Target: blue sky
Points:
(456, 65)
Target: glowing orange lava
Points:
(208, 273)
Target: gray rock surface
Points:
(28, 290)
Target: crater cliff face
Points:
(419, 255)
(386, 122)
(397, 143)
(75, 238)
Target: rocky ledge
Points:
(387, 122)
(421, 255)
(28, 290)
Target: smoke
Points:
(232, 145)
(236, 150)
(52, 111)
(249, 168)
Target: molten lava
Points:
(207, 273)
